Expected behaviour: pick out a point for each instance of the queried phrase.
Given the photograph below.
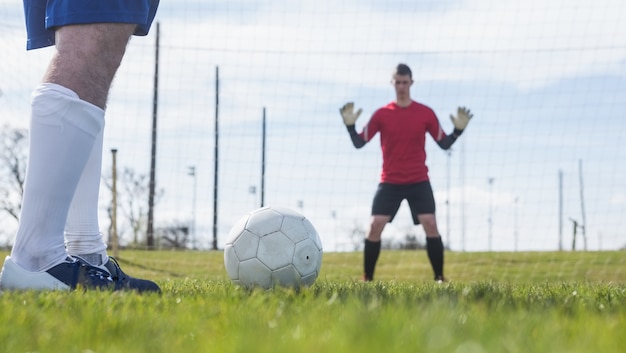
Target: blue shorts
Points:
(43, 16)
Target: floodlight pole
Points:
(114, 238)
(462, 174)
(515, 223)
(575, 225)
(448, 198)
(152, 182)
(263, 144)
(216, 155)
(490, 180)
(192, 173)
(560, 210)
(582, 204)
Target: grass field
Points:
(495, 302)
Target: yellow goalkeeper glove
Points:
(461, 119)
(348, 114)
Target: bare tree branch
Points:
(13, 160)
(133, 195)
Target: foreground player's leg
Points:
(67, 118)
(82, 232)
(62, 134)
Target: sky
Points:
(546, 81)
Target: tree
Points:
(357, 236)
(13, 161)
(175, 236)
(132, 195)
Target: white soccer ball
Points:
(273, 246)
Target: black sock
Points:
(434, 248)
(370, 256)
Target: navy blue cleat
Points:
(70, 274)
(125, 282)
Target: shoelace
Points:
(118, 270)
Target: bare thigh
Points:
(377, 225)
(88, 57)
(429, 222)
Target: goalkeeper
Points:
(403, 125)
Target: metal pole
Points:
(192, 173)
(150, 230)
(216, 155)
(560, 210)
(462, 150)
(490, 180)
(448, 199)
(263, 159)
(515, 223)
(114, 238)
(575, 224)
(582, 204)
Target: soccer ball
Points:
(273, 246)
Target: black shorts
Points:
(389, 197)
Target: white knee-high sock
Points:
(62, 134)
(82, 230)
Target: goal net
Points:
(541, 166)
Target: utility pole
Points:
(152, 183)
(216, 155)
(490, 221)
(515, 223)
(448, 198)
(263, 153)
(462, 183)
(192, 173)
(114, 238)
(582, 204)
(560, 210)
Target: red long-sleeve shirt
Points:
(402, 139)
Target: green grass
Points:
(495, 302)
